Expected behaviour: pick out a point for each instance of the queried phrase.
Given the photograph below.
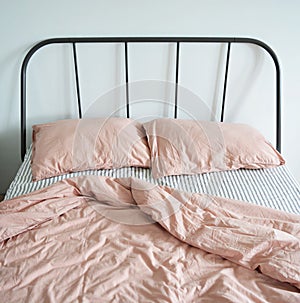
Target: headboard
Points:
(126, 40)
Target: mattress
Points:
(272, 187)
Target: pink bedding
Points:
(185, 147)
(73, 145)
(96, 239)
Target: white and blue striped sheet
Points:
(273, 187)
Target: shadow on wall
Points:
(243, 77)
(10, 151)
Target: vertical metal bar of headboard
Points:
(225, 81)
(126, 79)
(176, 80)
(278, 108)
(278, 105)
(77, 80)
(23, 108)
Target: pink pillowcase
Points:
(76, 145)
(192, 147)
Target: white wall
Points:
(23, 23)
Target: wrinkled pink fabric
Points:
(75, 145)
(192, 147)
(93, 239)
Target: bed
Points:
(168, 210)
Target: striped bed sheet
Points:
(273, 187)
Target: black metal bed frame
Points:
(126, 40)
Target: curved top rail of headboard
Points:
(125, 40)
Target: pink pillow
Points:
(191, 147)
(75, 145)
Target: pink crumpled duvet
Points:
(97, 239)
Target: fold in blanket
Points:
(257, 243)
(249, 235)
